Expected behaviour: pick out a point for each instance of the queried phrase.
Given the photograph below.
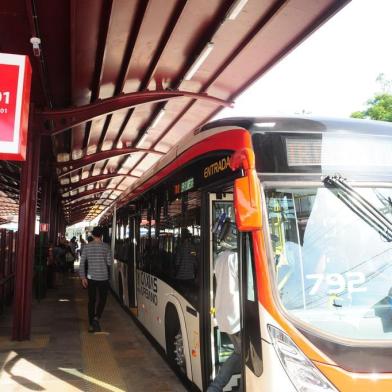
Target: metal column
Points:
(41, 265)
(26, 241)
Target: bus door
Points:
(220, 208)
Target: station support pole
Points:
(53, 224)
(26, 240)
(46, 200)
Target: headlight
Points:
(302, 373)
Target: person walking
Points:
(82, 243)
(60, 260)
(96, 278)
(73, 246)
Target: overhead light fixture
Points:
(158, 117)
(91, 149)
(77, 153)
(235, 9)
(107, 145)
(142, 139)
(75, 178)
(199, 61)
(62, 157)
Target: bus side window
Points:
(251, 328)
(145, 232)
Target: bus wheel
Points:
(179, 351)
(174, 339)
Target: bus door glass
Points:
(221, 211)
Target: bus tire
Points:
(174, 339)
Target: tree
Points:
(380, 106)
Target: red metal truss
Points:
(55, 121)
(95, 192)
(93, 180)
(84, 207)
(95, 62)
(106, 12)
(85, 203)
(83, 213)
(76, 164)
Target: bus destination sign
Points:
(184, 186)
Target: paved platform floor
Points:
(63, 356)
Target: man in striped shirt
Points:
(98, 256)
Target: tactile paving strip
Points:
(101, 371)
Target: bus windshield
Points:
(332, 268)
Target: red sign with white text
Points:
(15, 80)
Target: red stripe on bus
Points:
(232, 140)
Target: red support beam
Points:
(55, 121)
(26, 241)
(100, 156)
(85, 204)
(96, 192)
(244, 43)
(106, 12)
(83, 212)
(58, 219)
(52, 220)
(77, 217)
(62, 225)
(93, 180)
(46, 193)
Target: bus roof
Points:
(303, 124)
(278, 124)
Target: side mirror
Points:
(247, 197)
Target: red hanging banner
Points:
(15, 81)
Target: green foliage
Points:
(380, 106)
(358, 115)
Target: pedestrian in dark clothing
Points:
(99, 257)
(82, 243)
(59, 255)
(73, 246)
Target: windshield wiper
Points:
(386, 202)
(360, 206)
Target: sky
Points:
(333, 72)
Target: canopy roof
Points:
(116, 83)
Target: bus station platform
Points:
(62, 356)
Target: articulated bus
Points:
(312, 202)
